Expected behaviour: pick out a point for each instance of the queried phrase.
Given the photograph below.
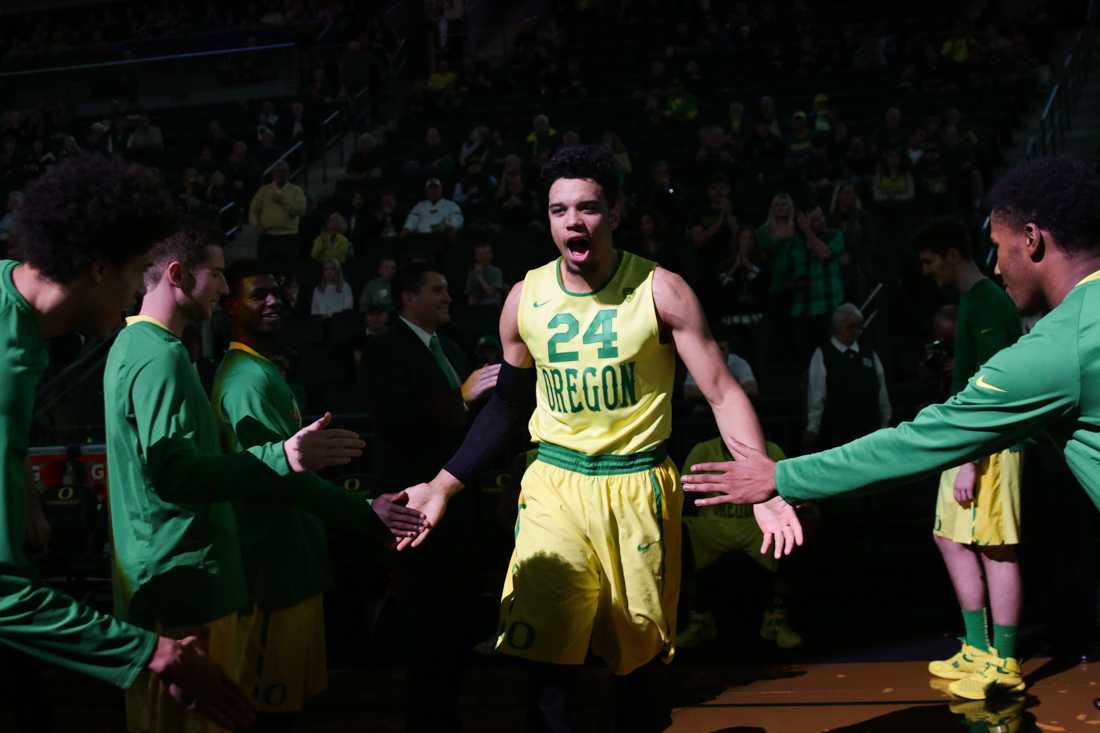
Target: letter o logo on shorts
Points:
(352, 484)
(519, 641)
(66, 493)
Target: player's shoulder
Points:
(147, 344)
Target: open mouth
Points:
(579, 248)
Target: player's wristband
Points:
(510, 404)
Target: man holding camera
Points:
(978, 507)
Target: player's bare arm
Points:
(431, 498)
(681, 317)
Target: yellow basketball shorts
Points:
(596, 562)
(994, 516)
(149, 707)
(712, 536)
(286, 662)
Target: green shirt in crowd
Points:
(987, 322)
(819, 290)
(284, 548)
(1047, 382)
(177, 548)
(35, 619)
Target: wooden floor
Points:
(857, 697)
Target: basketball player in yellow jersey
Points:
(593, 336)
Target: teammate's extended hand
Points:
(964, 484)
(317, 446)
(198, 684)
(401, 520)
(748, 480)
(479, 382)
(432, 502)
(779, 522)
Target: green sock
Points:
(1004, 640)
(977, 635)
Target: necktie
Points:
(441, 359)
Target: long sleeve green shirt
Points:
(36, 619)
(177, 546)
(987, 322)
(1047, 382)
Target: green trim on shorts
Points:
(658, 501)
(605, 465)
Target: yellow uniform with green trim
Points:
(723, 528)
(597, 557)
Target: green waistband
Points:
(607, 465)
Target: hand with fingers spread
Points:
(432, 502)
(779, 522)
(403, 521)
(317, 446)
(479, 382)
(750, 479)
(198, 684)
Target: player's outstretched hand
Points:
(748, 480)
(402, 520)
(317, 446)
(198, 684)
(779, 522)
(432, 503)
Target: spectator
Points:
(865, 263)
(615, 144)
(542, 140)
(146, 140)
(434, 214)
(358, 219)
(737, 298)
(893, 183)
(267, 117)
(432, 159)
(218, 193)
(800, 145)
(377, 292)
(712, 230)
(377, 324)
(192, 195)
(477, 147)
(485, 282)
(332, 295)
(814, 264)
(296, 126)
(473, 192)
(652, 242)
(240, 170)
(291, 290)
(331, 243)
(934, 183)
(385, 221)
(846, 394)
(11, 212)
(219, 140)
(275, 213)
(362, 166)
(267, 152)
(892, 136)
(517, 207)
(738, 368)
(775, 236)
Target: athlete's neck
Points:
(1067, 273)
(57, 306)
(587, 282)
(262, 343)
(160, 305)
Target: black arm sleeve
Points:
(512, 401)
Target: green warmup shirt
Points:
(285, 548)
(1048, 381)
(177, 552)
(35, 619)
(987, 322)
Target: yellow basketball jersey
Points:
(604, 377)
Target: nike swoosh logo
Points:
(646, 546)
(536, 304)
(985, 331)
(980, 382)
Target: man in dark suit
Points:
(419, 394)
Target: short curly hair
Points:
(186, 245)
(1060, 195)
(89, 207)
(595, 162)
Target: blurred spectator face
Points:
(541, 123)
(431, 305)
(799, 124)
(377, 320)
(848, 330)
(781, 207)
(389, 202)
(893, 118)
(432, 137)
(952, 116)
(718, 192)
(387, 268)
(433, 191)
(746, 242)
(291, 290)
(483, 254)
(240, 150)
(513, 164)
(357, 200)
(647, 226)
(817, 219)
(950, 136)
(336, 224)
(330, 272)
(846, 197)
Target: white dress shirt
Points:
(426, 215)
(815, 390)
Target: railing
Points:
(1069, 83)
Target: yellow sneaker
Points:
(999, 677)
(967, 661)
